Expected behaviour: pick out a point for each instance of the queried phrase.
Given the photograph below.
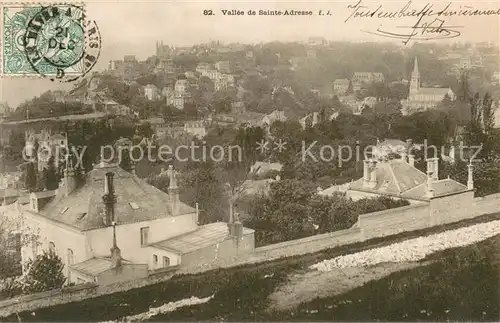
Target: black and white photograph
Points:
(242, 161)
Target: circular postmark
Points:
(60, 44)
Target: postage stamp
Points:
(54, 41)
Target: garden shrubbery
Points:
(293, 210)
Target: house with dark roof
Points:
(113, 226)
(398, 178)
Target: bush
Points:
(44, 273)
(292, 210)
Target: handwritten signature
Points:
(435, 29)
(425, 28)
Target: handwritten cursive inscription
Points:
(430, 22)
(421, 31)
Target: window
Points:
(64, 210)
(166, 261)
(52, 247)
(134, 205)
(144, 236)
(155, 259)
(70, 256)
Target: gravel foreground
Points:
(414, 249)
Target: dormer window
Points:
(64, 210)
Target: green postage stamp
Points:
(47, 40)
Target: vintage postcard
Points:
(249, 161)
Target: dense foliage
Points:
(44, 273)
(292, 210)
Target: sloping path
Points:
(341, 274)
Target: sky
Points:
(133, 27)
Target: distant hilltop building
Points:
(195, 128)
(223, 66)
(423, 98)
(151, 92)
(4, 110)
(367, 77)
(163, 50)
(341, 86)
(47, 146)
(317, 41)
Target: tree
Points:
(145, 130)
(199, 183)
(15, 146)
(36, 147)
(464, 92)
(125, 160)
(30, 177)
(51, 177)
(480, 130)
(44, 273)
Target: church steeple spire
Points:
(415, 78)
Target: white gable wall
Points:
(128, 236)
(63, 237)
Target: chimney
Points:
(34, 202)
(109, 199)
(373, 173)
(366, 170)
(430, 189)
(132, 167)
(452, 152)
(235, 227)
(197, 214)
(470, 178)
(411, 160)
(432, 166)
(116, 257)
(404, 156)
(173, 190)
(69, 177)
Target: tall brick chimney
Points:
(411, 160)
(470, 177)
(366, 172)
(373, 173)
(116, 256)
(433, 167)
(429, 189)
(109, 199)
(69, 177)
(173, 190)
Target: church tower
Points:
(415, 78)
